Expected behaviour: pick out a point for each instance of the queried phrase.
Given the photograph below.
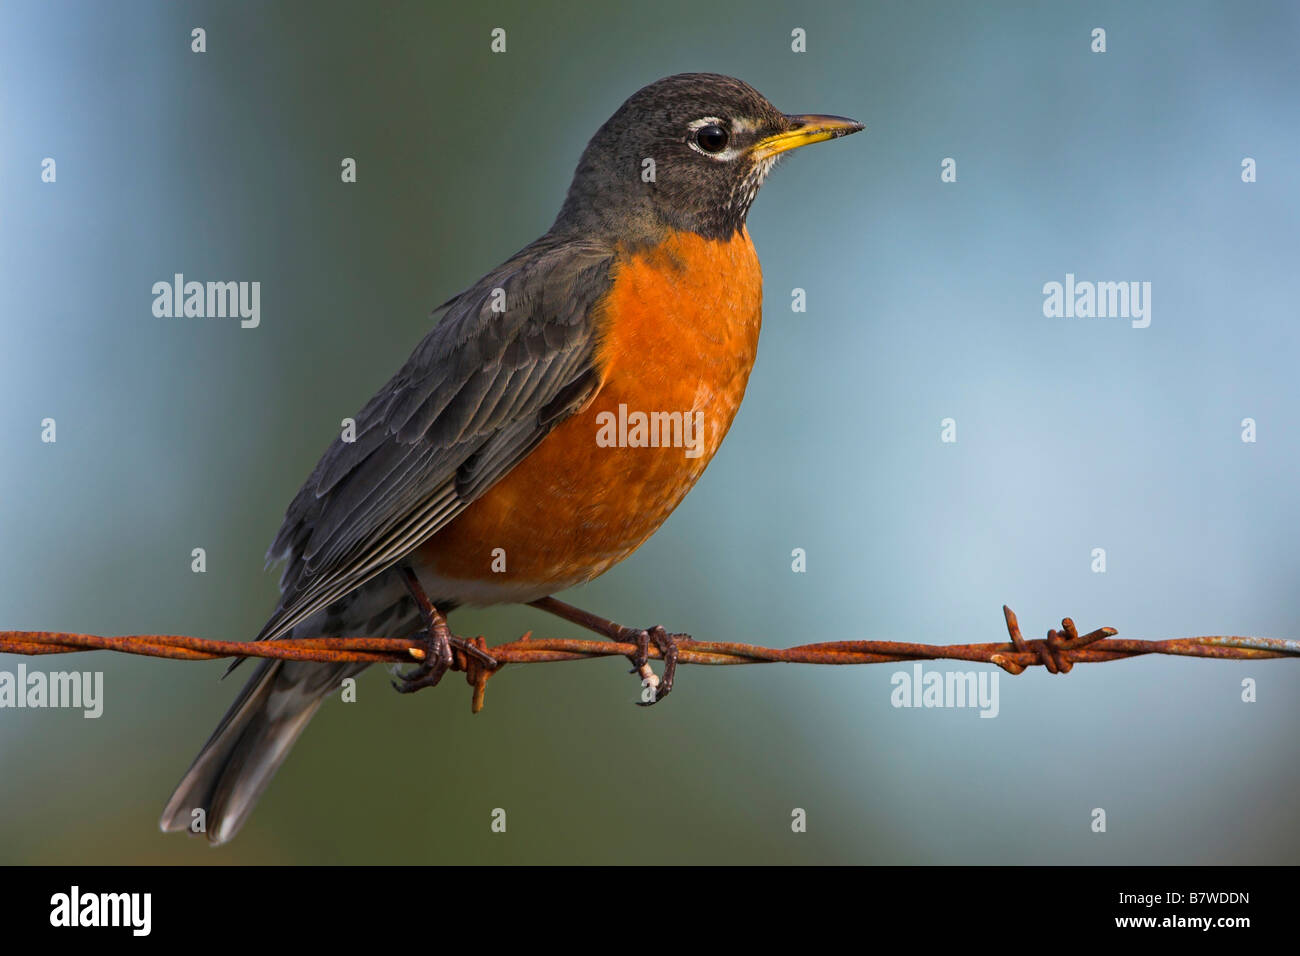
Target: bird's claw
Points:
(654, 687)
(437, 660)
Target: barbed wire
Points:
(1058, 652)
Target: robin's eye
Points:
(711, 138)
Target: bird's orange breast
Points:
(678, 335)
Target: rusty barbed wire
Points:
(1058, 652)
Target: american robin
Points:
(543, 430)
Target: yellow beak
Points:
(806, 129)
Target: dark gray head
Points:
(686, 152)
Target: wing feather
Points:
(477, 394)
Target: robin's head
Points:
(686, 152)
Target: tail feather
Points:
(248, 746)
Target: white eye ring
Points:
(695, 126)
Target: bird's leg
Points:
(436, 638)
(437, 642)
(657, 687)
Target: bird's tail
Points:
(249, 744)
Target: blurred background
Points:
(924, 302)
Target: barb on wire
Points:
(1058, 652)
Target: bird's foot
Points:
(435, 643)
(654, 688)
(437, 656)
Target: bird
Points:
(513, 456)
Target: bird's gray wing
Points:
(477, 394)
